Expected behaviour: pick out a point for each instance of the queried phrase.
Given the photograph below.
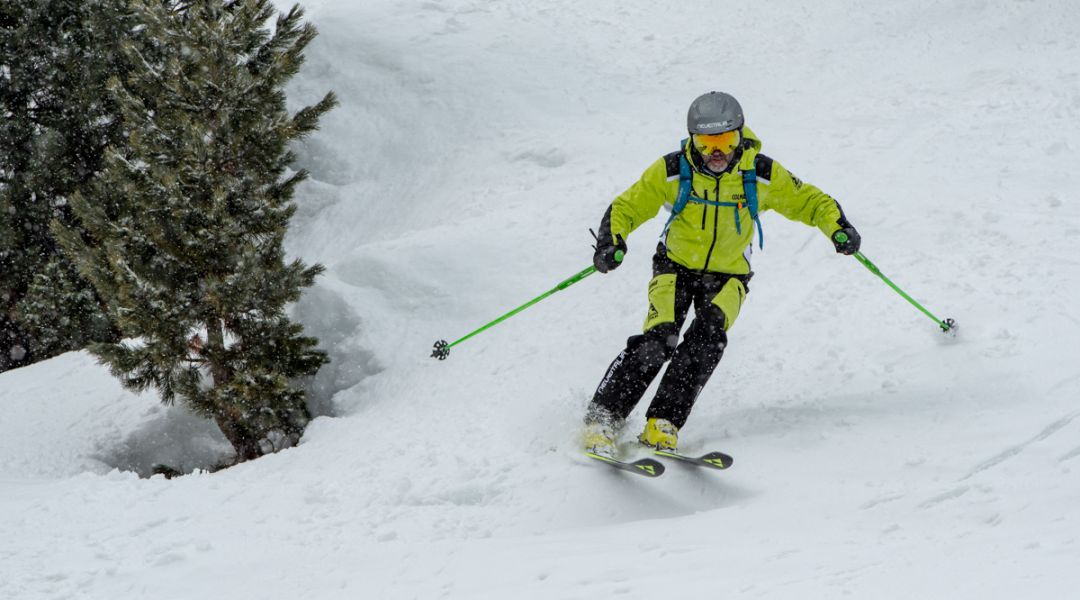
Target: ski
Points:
(646, 467)
(712, 460)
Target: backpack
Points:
(686, 194)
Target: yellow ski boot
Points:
(660, 434)
(600, 439)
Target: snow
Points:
(475, 143)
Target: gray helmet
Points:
(715, 112)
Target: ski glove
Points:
(609, 256)
(846, 240)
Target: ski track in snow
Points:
(476, 143)
(1010, 452)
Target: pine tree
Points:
(55, 59)
(187, 222)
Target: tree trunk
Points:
(230, 424)
(229, 419)
(215, 343)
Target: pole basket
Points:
(441, 351)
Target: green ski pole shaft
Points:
(946, 325)
(442, 348)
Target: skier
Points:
(715, 184)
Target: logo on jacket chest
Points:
(708, 195)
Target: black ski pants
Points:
(692, 360)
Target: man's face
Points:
(717, 150)
(718, 162)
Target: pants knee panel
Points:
(662, 290)
(729, 301)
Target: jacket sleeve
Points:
(796, 200)
(638, 204)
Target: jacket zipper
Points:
(715, 225)
(705, 211)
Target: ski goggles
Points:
(725, 142)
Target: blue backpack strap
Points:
(749, 181)
(686, 180)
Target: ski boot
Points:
(599, 434)
(600, 440)
(660, 434)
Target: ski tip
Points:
(713, 460)
(649, 467)
(718, 460)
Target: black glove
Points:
(846, 240)
(609, 256)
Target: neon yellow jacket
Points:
(704, 237)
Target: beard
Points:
(718, 163)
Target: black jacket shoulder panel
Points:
(763, 166)
(671, 161)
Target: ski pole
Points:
(947, 326)
(442, 348)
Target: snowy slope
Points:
(476, 143)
